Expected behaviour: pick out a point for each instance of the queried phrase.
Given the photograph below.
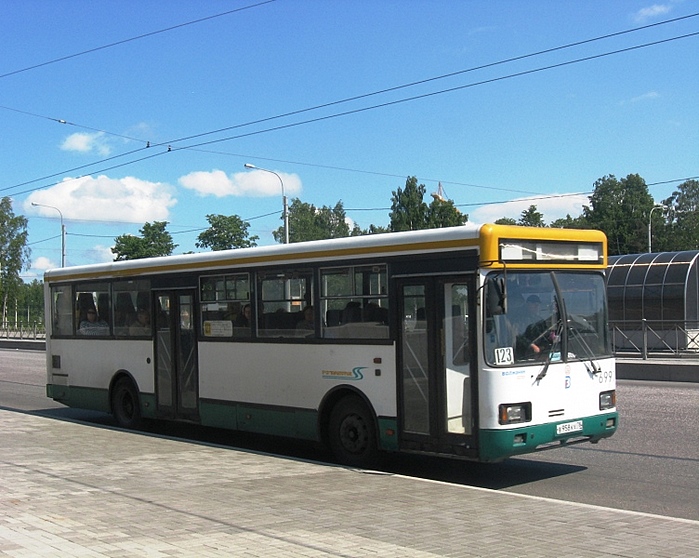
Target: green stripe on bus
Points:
(95, 399)
(498, 444)
(290, 422)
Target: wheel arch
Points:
(331, 399)
(118, 376)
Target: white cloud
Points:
(256, 183)
(125, 199)
(100, 254)
(551, 208)
(646, 97)
(651, 12)
(42, 264)
(87, 143)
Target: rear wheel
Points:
(125, 405)
(352, 433)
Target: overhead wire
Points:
(170, 148)
(374, 93)
(373, 107)
(131, 39)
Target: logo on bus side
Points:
(355, 375)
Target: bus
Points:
(472, 342)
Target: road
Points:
(650, 465)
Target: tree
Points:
(443, 213)
(373, 229)
(530, 217)
(569, 222)
(682, 210)
(225, 233)
(408, 210)
(30, 302)
(505, 221)
(620, 209)
(154, 241)
(308, 222)
(14, 252)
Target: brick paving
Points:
(68, 489)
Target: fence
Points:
(648, 338)
(644, 338)
(22, 330)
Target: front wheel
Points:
(352, 433)
(125, 405)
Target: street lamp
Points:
(286, 206)
(63, 231)
(650, 220)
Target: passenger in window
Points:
(142, 324)
(91, 324)
(243, 319)
(308, 322)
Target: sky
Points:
(118, 113)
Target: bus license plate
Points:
(568, 427)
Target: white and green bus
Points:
(474, 342)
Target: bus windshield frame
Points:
(554, 316)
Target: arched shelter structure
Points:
(661, 289)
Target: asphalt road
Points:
(650, 465)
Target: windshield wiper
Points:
(589, 353)
(558, 333)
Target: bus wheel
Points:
(352, 435)
(125, 405)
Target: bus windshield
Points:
(536, 316)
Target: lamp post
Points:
(63, 231)
(284, 202)
(650, 220)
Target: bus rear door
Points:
(176, 369)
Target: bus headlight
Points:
(510, 413)
(607, 400)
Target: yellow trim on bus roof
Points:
(485, 238)
(248, 260)
(491, 235)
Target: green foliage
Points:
(374, 229)
(308, 222)
(154, 241)
(505, 221)
(225, 233)
(443, 213)
(620, 208)
(530, 217)
(30, 302)
(569, 222)
(680, 231)
(409, 212)
(14, 252)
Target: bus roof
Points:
(479, 237)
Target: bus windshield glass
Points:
(537, 316)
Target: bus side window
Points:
(62, 313)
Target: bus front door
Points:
(176, 370)
(436, 364)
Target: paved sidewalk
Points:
(72, 490)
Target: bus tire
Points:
(352, 435)
(125, 405)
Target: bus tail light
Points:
(607, 400)
(510, 413)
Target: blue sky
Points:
(96, 98)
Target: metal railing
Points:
(655, 338)
(22, 330)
